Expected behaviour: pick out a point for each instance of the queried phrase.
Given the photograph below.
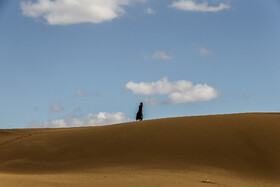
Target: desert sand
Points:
(224, 150)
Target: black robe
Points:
(139, 115)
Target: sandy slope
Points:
(235, 149)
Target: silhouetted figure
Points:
(139, 115)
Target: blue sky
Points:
(92, 62)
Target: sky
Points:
(68, 63)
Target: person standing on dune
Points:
(139, 115)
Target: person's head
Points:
(141, 103)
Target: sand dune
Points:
(235, 149)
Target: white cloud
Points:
(152, 101)
(162, 55)
(202, 51)
(64, 12)
(181, 91)
(81, 93)
(102, 118)
(150, 11)
(192, 5)
(79, 109)
(55, 107)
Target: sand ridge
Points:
(246, 145)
